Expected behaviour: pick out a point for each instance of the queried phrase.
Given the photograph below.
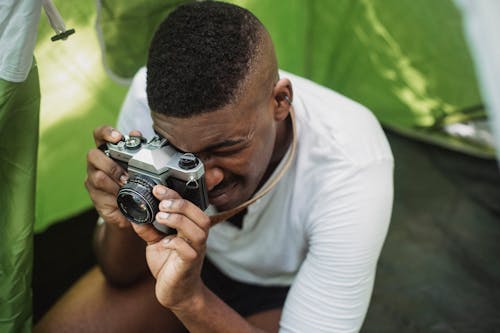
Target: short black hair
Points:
(199, 57)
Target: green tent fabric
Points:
(77, 96)
(19, 120)
(125, 48)
(405, 60)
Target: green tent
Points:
(19, 120)
(19, 105)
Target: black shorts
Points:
(244, 298)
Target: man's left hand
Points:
(176, 260)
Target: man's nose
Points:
(213, 177)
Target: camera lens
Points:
(136, 201)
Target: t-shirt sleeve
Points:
(135, 113)
(346, 229)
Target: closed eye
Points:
(230, 152)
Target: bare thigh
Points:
(92, 305)
(269, 320)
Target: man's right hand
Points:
(119, 251)
(105, 177)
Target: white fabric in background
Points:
(18, 31)
(481, 20)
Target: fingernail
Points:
(165, 241)
(166, 204)
(124, 178)
(115, 134)
(163, 215)
(160, 190)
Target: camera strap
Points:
(222, 216)
(56, 21)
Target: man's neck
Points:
(284, 137)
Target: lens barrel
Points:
(136, 200)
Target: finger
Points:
(186, 229)
(162, 192)
(101, 198)
(106, 206)
(148, 233)
(186, 208)
(182, 217)
(172, 202)
(106, 133)
(116, 217)
(99, 180)
(97, 162)
(183, 249)
(135, 133)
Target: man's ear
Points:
(283, 97)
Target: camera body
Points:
(150, 163)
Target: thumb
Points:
(148, 233)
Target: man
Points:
(302, 258)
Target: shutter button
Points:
(188, 161)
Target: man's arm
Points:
(346, 230)
(119, 251)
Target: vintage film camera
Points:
(150, 163)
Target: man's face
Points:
(235, 143)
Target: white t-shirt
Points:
(18, 31)
(321, 229)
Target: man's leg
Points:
(92, 305)
(269, 320)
